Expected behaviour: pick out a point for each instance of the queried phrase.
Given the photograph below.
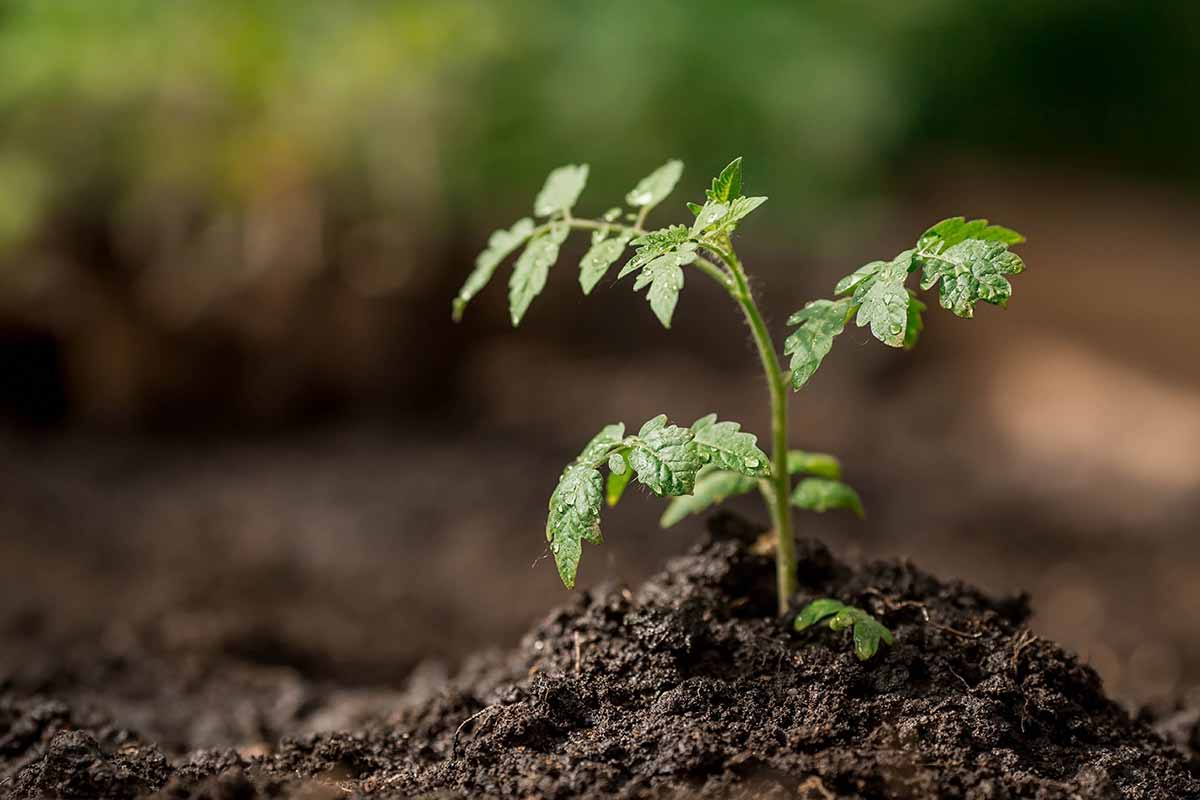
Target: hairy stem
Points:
(778, 497)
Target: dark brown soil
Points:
(687, 687)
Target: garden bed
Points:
(687, 686)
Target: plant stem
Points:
(776, 492)
(778, 498)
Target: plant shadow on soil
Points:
(686, 687)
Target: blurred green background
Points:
(230, 233)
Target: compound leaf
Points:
(654, 244)
(532, 269)
(728, 185)
(561, 190)
(952, 231)
(598, 259)
(712, 487)
(822, 465)
(970, 271)
(652, 189)
(885, 301)
(820, 322)
(501, 244)
(665, 457)
(664, 276)
(726, 446)
(574, 518)
(825, 494)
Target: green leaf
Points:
(574, 518)
(501, 244)
(885, 301)
(619, 473)
(820, 322)
(728, 185)
(664, 276)
(712, 487)
(598, 259)
(602, 444)
(561, 190)
(738, 209)
(695, 208)
(914, 324)
(665, 457)
(651, 189)
(971, 271)
(709, 215)
(725, 446)
(863, 275)
(816, 611)
(954, 230)
(654, 244)
(868, 631)
(822, 465)
(824, 494)
(532, 269)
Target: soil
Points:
(688, 686)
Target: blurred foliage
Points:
(176, 153)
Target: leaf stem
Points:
(777, 492)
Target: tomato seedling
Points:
(710, 460)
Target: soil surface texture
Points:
(686, 687)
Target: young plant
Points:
(708, 461)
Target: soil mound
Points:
(687, 687)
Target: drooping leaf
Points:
(820, 322)
(868, 631)
(824, 494)
(665, 457)
(598, 259)
(664, 276)
(532, 269)
(654, 244)
(885, 302)
(619, 473)
(574, 518)
(709, 215)
(971, 271)
(816, 611)
(501, 244)
(952, 231)
(602, 444)
(914, 324)
(726, 446)
(561, 190)
(728, 185)
(651, 189)
(712, 487)
(822, 465)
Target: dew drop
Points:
(751, 462)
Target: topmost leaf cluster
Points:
(659, 257)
